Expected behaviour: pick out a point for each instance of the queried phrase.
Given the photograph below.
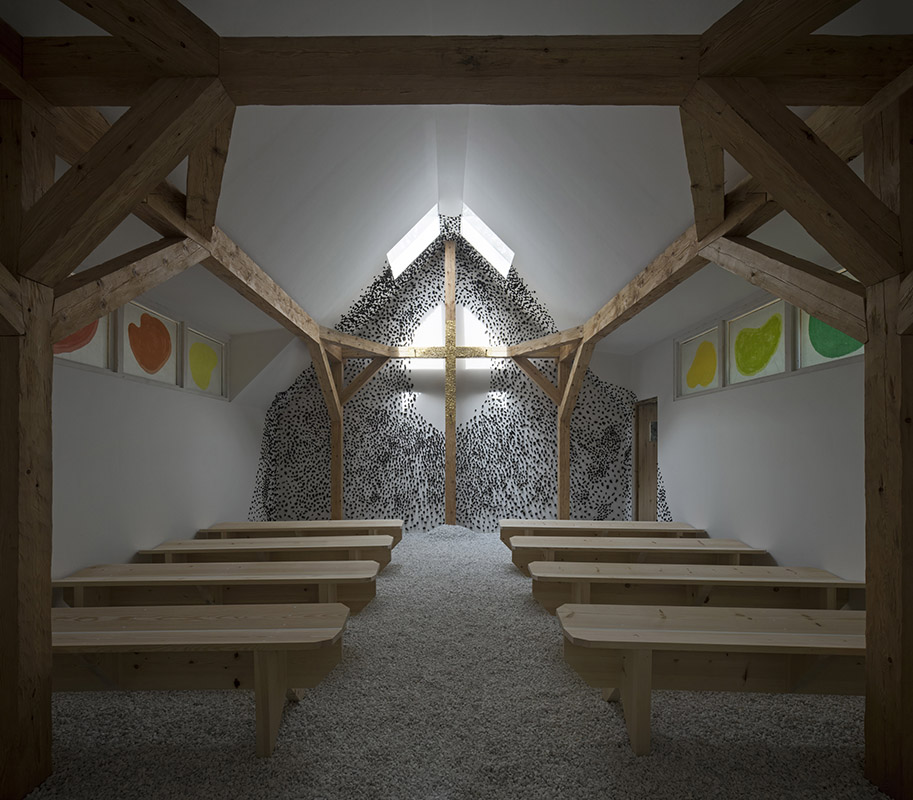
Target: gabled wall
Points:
(778, 464)
(136, 464)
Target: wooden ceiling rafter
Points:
(553, 392)
(704, 157)
(11, 319)
(355, 385)
(205, 168)
(830, 296)
(88, 295)
(509, 70)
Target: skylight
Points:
(410, 247)
(486, 241)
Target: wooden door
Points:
(645, 460)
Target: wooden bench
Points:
(628, 651)
(555, 583)
(267, 648)
(527, 549)
(283, 548)
(313, 527)
(595, 527)
(351, 583)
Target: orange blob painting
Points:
(76, 341)
(150, 342)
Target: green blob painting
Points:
(828, 341)
(203, 361)
(754, 347)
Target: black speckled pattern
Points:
(394, 457)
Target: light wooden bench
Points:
(526, 549)
(282, 548)
(312, 527)
(628, 651)
(595, 527)
(351, 583)
(555, 583)
(267, 648)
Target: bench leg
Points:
(326, 592)
(270, 678)
(635, 698)
(611, 695)
(580, 592)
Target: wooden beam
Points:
(360, 380)
(565, 411)
(337, 449)
(205, 167)
(807, 178)
(246, 277)
(355, 346)
(705, 166)
(97, 192)
(11, 322)
(164, 31)
(547, 346)
(889, 480)
(450, 454)
(905, 310)
(89, 295)
(831, 297)
(378, 70)
(325, 378)
(680, 260)
(26, 368)
(889, 94)
(757, 30)
(552, 391)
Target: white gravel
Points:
(453, 686)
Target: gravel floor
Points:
(453, 686)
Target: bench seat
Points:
(555, 583)
(281, 548)
(595, 527)
(311, 527)
(628, 651)
(351, 583)
(526, 549)
(267, 648)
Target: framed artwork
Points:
(150, 344)
(757, 343)
(89, 345)
(204, 363)
(699, 363)
(819, 343)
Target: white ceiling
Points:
(585, 196)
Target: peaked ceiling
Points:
(585, 196)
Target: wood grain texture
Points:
(757, 30)
(131, 158)
(92, 293)
(11, 321)
(594, 527)
(905, 307)
(25, 546)
(164, 31)
(325, 378)
(205, 167)
(646, 469)
(830, 296)
(890, 94)
(532, 371)
(705, 166)
(804, 175)
(889, 486)
(310, 527)
(547, 346)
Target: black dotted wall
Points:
(394, 458)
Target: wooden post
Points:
(564, 467)
(337, 467)
(26, 171)
(888, 138)
(645, 461)
(450, 383)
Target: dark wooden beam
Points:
(804, 175)
(205, 167)
(92, 293)
(889, 479)
(757, 30)
(130, 159)
(831, 297)
(164, 31)
(381, 70)
(10, 304)
(704, 157)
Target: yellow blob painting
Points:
(203, 360)
(703, 367)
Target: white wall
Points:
(135, 464)
(778, 464)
